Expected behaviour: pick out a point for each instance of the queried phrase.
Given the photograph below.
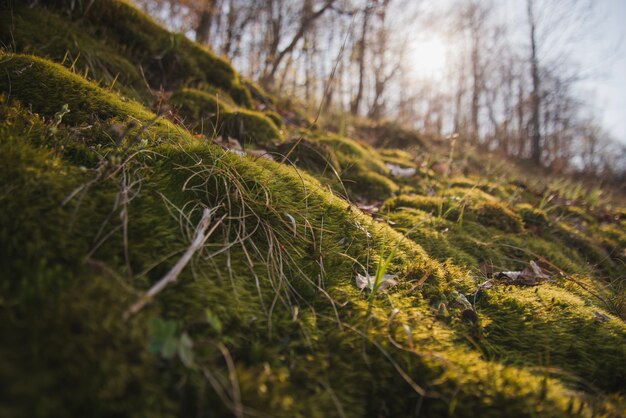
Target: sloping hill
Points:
(114, 148)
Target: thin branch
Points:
(199, 239)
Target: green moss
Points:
(532, 216)
(369, 184)
(168, 60)
(47, 87)
(549, 327)
(574, 213)
(199, 110)
(204, 112)
(491, 189)
(37, 31)
(276, 118)
(613, 238)
(277, 273)
(351, 152)
(310, 155)
(591, 251)
(441, 207)
(250, 126)
(397, 157)
(469, 195)
(362, 168)
(498, 215)
(258, 93)
(63, 97)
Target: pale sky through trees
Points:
(600, 52)
(606, 54)
(540, 79)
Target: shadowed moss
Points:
(199, 110)
(37, 31)
(250, 126)
(168, 60)
(258, 93)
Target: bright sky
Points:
(604, 54)
(601, 55)
(429, 57)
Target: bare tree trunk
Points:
(308, 18)
(356, 101)
(205, 20)
(535, 139)
(476, 88)
(522, 130)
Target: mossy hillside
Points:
(34, 80)
(497, 242)
(265, 375)
(64, 97)
(323, 221)
(37, 31)
(182, 303)
(398, 157)
(204, 112)
(347, 165)
(277, 277)
(454, 207)
(517, 321)
(170, 59)
(553, 325)
(276, 118)
(532, 216)
(113, 35)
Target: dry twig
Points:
(200, 237)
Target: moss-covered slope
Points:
(100, 198)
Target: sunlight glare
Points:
(428, 57)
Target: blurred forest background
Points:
(499, 77)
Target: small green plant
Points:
(381, 270)
(167, 340)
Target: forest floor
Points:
(205, 249)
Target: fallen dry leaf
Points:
(532, 275)
(369, 208)
(367, 281)
(399, 171)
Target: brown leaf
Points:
(532, 275)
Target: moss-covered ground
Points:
(108, 157)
